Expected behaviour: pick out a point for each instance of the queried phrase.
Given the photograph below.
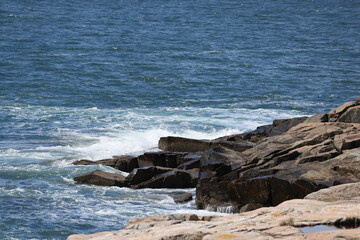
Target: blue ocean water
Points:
(91, 79)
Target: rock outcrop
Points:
(289, 160)
(315, 157)
(274, 163)
(337, 193)
(161, 169)
(285, 221)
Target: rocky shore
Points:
(254, 171)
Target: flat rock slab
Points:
(281, 222)
(341, 192)
(101, 178)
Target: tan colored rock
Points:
(352, 115)
(281, 222)
(334, 114)
(337, 193)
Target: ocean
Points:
(93, 79)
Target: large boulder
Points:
(352, 115)
(268, 191)
(126, 163)
(336, 113)
(101, 178)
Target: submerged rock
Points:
(106, 162)
(185, 197)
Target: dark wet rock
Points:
(181, 198)
(106, 162)
(161, 158)
(179, 144)
(239, 146)
(84, 162)
(143, 174)
(195, 163)
(189, 161)
(258, 134)
(126, 163)
(101, 178)
(269, 191)
(220, 161)
(169, 179)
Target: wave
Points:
(63, 134)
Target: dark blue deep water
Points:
(91, 79)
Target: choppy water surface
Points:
(98, 78)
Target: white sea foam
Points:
(132, 131)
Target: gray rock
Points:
(179, 144)
(185, 197)
(170, 179)
(352, 115)
(101, 178)
(140, 175)
(317, 118)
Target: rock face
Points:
(151, 170)
(179, 144)
(282, 222)
(145, 177)
(290, 159)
